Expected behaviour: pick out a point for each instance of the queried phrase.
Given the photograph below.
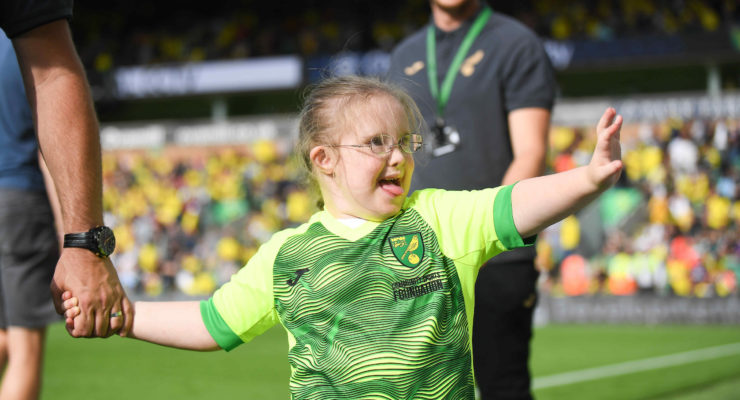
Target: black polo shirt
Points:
(507, 68)
(19, 16)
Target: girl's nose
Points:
(396, 156)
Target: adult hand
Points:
(94, 281)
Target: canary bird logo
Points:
(468, 67)
(408, 249)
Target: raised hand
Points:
(540, 202)
(606, 162)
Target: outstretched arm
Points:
(173, 324)
(539, 202)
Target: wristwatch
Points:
(100, 240)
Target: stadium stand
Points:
(670, 227)
(138, 33)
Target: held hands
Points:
(104, 308)
(71, 310)
(606, 163)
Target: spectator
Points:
(485, 87)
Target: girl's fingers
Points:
(609, 174)
(72, 312)
(615, 125)
(614, 167)
(69, 303)
(606, 119)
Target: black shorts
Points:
(29, 251)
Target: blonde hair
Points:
(325, 105)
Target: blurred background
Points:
(198, 108)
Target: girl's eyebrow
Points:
(365, 137)
(369, 136)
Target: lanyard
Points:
(443, 96)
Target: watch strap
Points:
(81, 239)
(99, 240)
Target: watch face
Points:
(106, 240)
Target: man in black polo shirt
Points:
(485, 87)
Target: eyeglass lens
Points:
(382, 144)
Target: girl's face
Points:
(365, 184)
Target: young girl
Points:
(375, 291)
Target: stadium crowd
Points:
(186, 222)
(671, 227)
(608, 19)
(140, 33)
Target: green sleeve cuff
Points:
(217, 327)
(503, 221)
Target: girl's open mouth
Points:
(392, 186)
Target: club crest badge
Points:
(408, 249)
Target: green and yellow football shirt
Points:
(381, 311)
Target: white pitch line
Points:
(636, 366)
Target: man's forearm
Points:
(70, 145)
(65, 121)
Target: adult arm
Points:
(529, 90)
(67, 129)
(541, 201)
(528, 129)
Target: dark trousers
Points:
(29, 250)
(505, 297)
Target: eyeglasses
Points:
(384, 144)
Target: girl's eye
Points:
(377, 141)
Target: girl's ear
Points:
(324, 159)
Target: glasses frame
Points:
(409, 143)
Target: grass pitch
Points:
(678, 361)
(127, 369)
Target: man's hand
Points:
(94, 282)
